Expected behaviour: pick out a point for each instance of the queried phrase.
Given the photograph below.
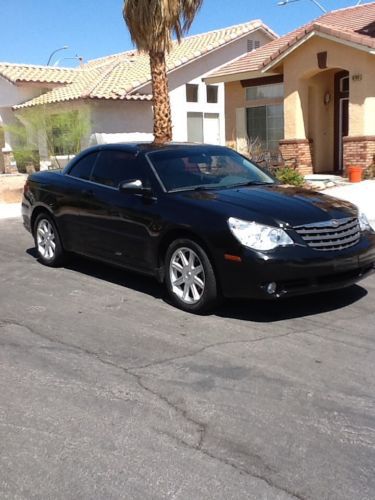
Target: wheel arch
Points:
(37, 211)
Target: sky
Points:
(32, 29)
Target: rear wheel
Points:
(47, 241)
(190, 278)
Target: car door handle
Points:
(88, 193)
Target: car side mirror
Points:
(135, 187)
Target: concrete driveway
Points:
(107, 392)
(361, 194)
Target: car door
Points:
(119, 227)
(73, 191)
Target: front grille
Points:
(334, 234)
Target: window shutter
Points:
(241, 133)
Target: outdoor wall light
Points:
(327, 97)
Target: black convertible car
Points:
(202, 219)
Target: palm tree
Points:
(152, 23)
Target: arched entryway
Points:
(326, 118)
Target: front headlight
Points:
(363, 222)
(257, 236)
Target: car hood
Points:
(283, 204)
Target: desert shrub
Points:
(289, 175)
(369, 172)
(25, 157)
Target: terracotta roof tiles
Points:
(346, 24)
(17, 73)
(119, 76)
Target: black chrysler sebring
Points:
(202, 219)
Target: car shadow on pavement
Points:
(115, 275)
(248, 310)
(290, 308)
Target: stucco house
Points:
(310, 93)
(116, 90)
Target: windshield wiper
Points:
(205, 188)
(193, 188)
(251, 183)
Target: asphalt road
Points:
(107, 392)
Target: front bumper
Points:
(297, 270)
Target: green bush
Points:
(25, 157)
(288, 175)
(369, 172)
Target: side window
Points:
(114, 167)
(212, 93)
(82, 169)
(191, 92)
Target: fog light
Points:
(271, 288)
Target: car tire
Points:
(190, 278)
(47, 241)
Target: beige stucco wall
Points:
(306, 116)
(301, 65)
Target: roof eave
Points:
(234, 77)
(281, 57)
(7, 79)
(260, 27)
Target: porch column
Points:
(296, 148)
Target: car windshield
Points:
(196, 169)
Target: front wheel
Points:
(190, 278)
(47, 241)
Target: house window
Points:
(195, 127)
(252, 45)
(212, 93)
(191, 92)
(344, 84)
(266, 124)
(203, 127)
(271, 91)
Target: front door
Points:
(341, 118)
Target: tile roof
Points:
(353, 24)
(17, 73)
(119, 76)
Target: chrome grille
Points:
(334, 234)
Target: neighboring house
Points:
(20, 83)
(310, 92)
(116, 90)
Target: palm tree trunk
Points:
(162, 107)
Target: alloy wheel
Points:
(187, 275)
(46, 240)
